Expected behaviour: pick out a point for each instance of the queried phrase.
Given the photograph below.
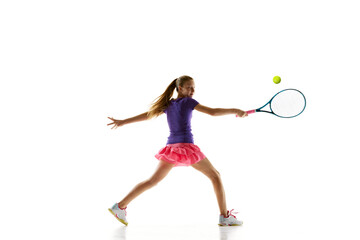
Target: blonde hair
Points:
(162, 102)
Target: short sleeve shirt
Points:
(179, 114)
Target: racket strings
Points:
(288, 103)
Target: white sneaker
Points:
(230, 220)
(119, 213)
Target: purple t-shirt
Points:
(179, 114)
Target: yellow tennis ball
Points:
(277, 79)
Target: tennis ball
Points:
(277, 79)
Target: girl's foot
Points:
(119, 213)
(230, 220)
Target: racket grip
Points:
(250, 111)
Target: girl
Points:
(180, 149)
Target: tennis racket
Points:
(287, 103)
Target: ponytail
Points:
(162, 102)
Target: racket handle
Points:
(249, 112)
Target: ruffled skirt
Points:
(180, 154)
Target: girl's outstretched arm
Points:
(119, 123)
(220, 111)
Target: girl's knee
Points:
(215, 175)
(153, 181)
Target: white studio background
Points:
(65, 66)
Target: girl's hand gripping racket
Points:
(287, 103)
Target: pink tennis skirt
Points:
(180, 154)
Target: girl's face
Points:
(188, 89)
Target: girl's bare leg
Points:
(162, 170)
(207, 168)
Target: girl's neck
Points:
(179, 96)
